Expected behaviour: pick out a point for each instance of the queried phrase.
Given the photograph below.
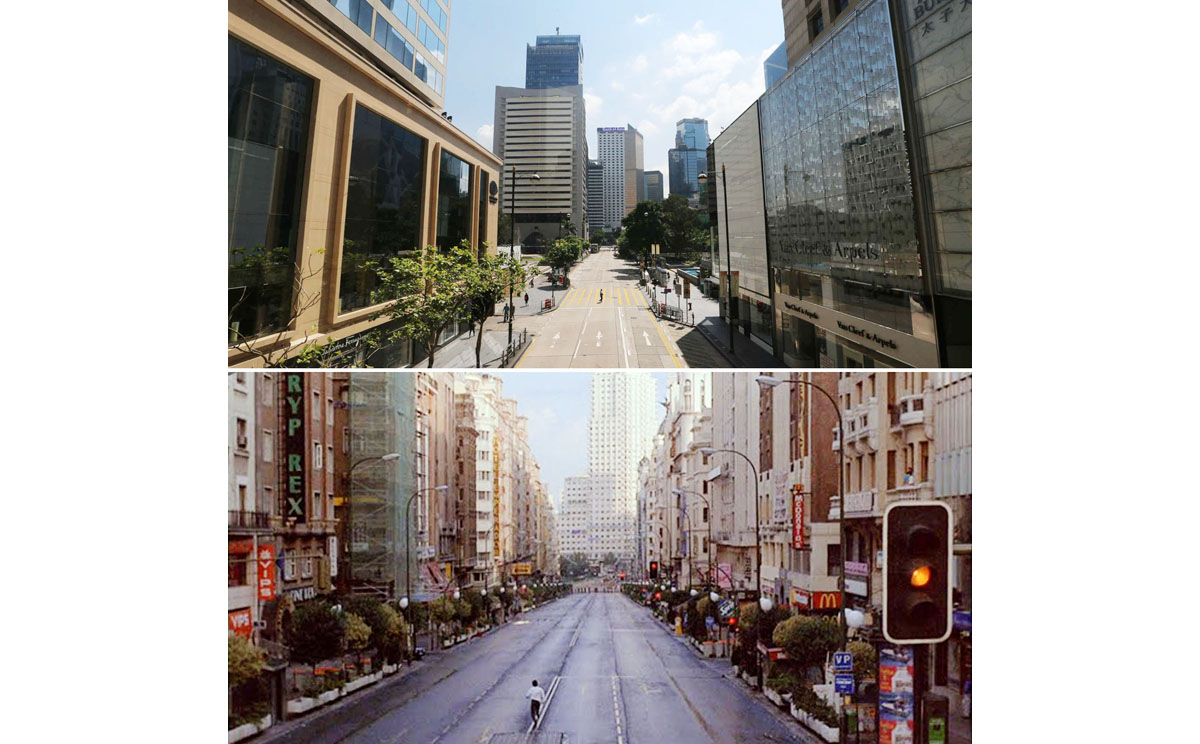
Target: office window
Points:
(358, 11)
(383, 202)
(269, 110)
(838, 6)
(306, 567)
(268, 445)
(395, 44)
(241, 433)
(318, 506)
(318, 461)
(816, 24)
(454, 201)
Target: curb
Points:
(712, 340)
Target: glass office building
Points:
(842, 240)
(688, 159)
(555, 62)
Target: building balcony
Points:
(914, 492)
(249, 521)
(862, 504)
(912, 410)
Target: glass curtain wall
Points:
(454, 201)
(383, 203)
(484, 182)
(269, 112)
(840, 215)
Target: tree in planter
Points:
(808, 640)
(488, 280)
(865, 663)
(391, 640)
(563, 254)
(426, 292)
(443, 610)
(315, 632)
(358, 634)
(246, 701)
(747, 641)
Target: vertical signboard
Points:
(496, 494)
(896, 710)
(294, 450)
(266, 572)
(332, 549)
(798, 517)
(779, 502)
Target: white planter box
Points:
(362, 682)
(828, 733)
(249, 729)
(773, 696)
(301, 705)
(796, 712)
(448, 643)
(328, 696)
(390, 669)
(750, 679)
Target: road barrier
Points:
(512, 351)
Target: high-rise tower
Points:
(556, 62)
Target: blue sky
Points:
(648, 64)
(557, 404)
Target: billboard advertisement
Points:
(266, 572)
(798, 517)
(295, 446)
(897, 712)
(239, 623)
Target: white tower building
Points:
(623, 172)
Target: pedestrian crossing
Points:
(585, 297)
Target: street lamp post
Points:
(680, 492)
(757, 534)
(703, 177)
(407, 555)
(770, 382)
(512, 242)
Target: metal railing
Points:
(662, 310)
(511, 351)
(252, 520)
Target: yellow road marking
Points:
(666, 343)
(526, 354)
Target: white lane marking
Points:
(599, 336)
(647, 337)
(545, 706)
(582, 332)
(554, 340)
(621, 333)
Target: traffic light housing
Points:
(917, 550)
(654, 569)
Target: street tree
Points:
(564, 253)
(599, 237)
(426, 292)
(681, 226)
(488, 280)
(643, 227)
(315, 632)
(807, 639)
(358, 633)
(567, 227)
(245, 660)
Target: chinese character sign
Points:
(266, 572)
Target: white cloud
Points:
(592, 103)
(639, 63)
(639, 20)
(645, 126)
(697, 40)
(484, 135)
(617, 85)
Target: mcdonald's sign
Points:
(826, 600)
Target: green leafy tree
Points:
(358, 633)
(426, 292)
(566, 227)
(487, 281)
(245, 660)
(393, 635)
(807, 639)
(564, 253)
(643, 227)
(865, 663)
(443, 610)
(599, 237)
(746, 641)
(681, 226)
(315, 632)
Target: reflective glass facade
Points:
(485, 181)
(556, 62)
(383, 202)
(775, 67)
(841, 228)
(454, 201)
(403, 50)
(688, 159)
(937, 38)
(358, 11)
(269, 113)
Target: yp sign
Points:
(295, 445)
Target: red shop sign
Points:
(266, 572)
(798, 517)
(239, 623)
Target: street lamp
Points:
(770, 382)
(703, 178)
(407, 555)
(844, 616)
(710, 451)
(680, 492)
(512, 241)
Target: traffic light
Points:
(916, 585)
(654, 569)
(733, 623)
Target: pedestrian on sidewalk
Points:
(536, 696)
(526, 299)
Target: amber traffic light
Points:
(917, 545)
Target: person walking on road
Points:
(527, 298)
(536, 696)
(602, 296)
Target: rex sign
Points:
(294, 448)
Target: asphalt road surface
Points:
(617, 675)
(614, 331)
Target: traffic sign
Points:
(843, 684)
(843, 661)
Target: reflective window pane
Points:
(454, 201)
(383, 202)
(269, 110)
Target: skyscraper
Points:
(556, 62)
(542, 131)
(621, 157)
(595, 195)
(688, 159)
(600, 514)
(654, 186)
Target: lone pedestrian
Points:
(526, 298)
(602, 296)
(536, 696)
